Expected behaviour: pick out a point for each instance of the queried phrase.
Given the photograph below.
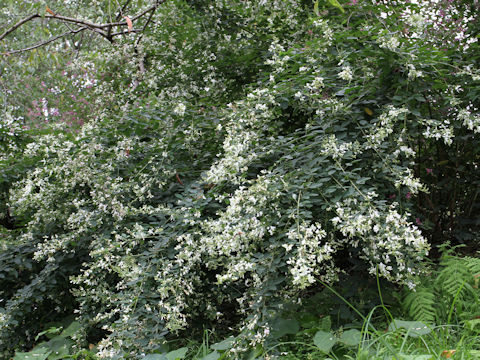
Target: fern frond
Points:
(473, 264)
(420, 304)
(456, 278)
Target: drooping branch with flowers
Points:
(270, 148)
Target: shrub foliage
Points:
(239, 155)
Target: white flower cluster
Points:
(407, 179)
(437, 129)
(385, 126)
(418, 22)
(406, 150)
(316, 84)
(469, 120)
(346, 73)
(4, 319)
(388, 41)
(388, 240)
(278, 59)
(242, 224)
(180, 109)
(223, 245)
(471, 71)
(325, 30)
(244, 124)
(413, 73)
(309, 253)
(335, 149)
(9, 123)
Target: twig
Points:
(144, 27)
(18, 24)
(122, 9)
(94, 25)
(126, 32)
(141, 64)
(85, 25)
(40, 44)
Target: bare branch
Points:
(144, 27)
(122, 9)
(43, 43)
(18, 24)
(94, 25)
(126, 32)
(141, 63)
(84, 25)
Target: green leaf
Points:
(60, 347)
(35, 354)
(308, 320)
(71, 329)
(212, 356)
(283, 327)
(155, 357)
(224, 345)
(337, 5)
(177, 354)
(351, 337)
(473, 324)
(326, 324)
(414, 328)
(324, 341)
(52, 330)
(315, 8)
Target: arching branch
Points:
(18, 24)
(105, 29)
(43, 43)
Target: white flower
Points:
(413, 73)
(346, 73)
(471, 121)
(389, 42)
(180, 109)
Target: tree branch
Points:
(141, 64)
(84, 25)
(126, 32)
(43, 43)
(18, 24)
(144, 27)
(94, 25)
(122, 9)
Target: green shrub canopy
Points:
(239, 154)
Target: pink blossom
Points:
(408, 195)
(417, 221)
(429, 171)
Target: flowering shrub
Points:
(264, 150)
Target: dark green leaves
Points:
(413, 328)
(325, 340)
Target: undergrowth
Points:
(439, 319)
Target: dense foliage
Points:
(230, 159)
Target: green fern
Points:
(473, 265)
(458, 279)
(420, 304)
